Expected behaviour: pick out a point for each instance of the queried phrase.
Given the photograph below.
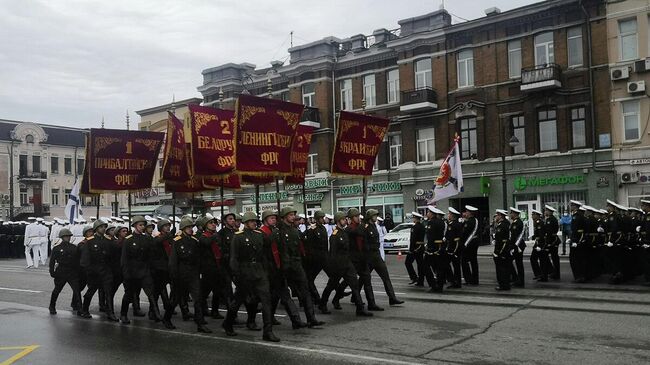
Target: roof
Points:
(168, 106)
(56, 135)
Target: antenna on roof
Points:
(102, 121)
(442, 5)
(291, 38)
(127, 119)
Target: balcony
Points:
(311, 117)
(418, 100)
(32, 176)
(32, 210)
(541, 77)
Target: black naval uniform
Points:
(316, 260)
(95, 259)
(518, 245)
(644, 238)
(536, 255)
(502, 257)
(435, 254)
(136, 251)
(416, 243)
(469, 259)
(579, 251)
(552, 226)
(611, 255)
(64, 268)
(454, 250)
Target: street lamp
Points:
(513, 142)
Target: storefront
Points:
(634, 181)
(385, 196)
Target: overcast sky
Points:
(71, 62)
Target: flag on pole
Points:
(450, 179)
(72, 207)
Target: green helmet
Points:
(371, 213)
(186, 222)
(338, 216)
(98, 223)
(223, 217)
(353, 212)
(162, 223)
(249, 216)
(86, 229)
(204, 222)
(268, 213)
(286, 210)
(64, 232)
(238, 217)
(319, 214)
(138, 219)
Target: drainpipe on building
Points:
(332, 196)
(334, 95)
(592, 106)
(11, 181)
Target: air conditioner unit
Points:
(642, 66)
(619, 73)
(636, 87)
(5, 197)
(629, 177)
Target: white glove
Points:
(493, 242)
(461, 220)
(568, 241)
(600, 230)
(574, 245)
(609, 244)
(538, 248)
(495, 255)
(646, 246)
(638, 228)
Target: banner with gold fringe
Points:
(175, 158)
(212, 143)
(300, 154)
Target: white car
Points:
(399, 238)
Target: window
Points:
(466, 68)
(29, 138)
(574, 44)
(423, 73)
(309, 94)
(22, 165)
(54, 165)
(468, 146)
(578, 125)
(36, 163)
(547, 130)
(67, 195)
(519, 131)
(369, 92)
(67, 166)
(544, 53)
(392, 86)
(312, 164)
(426, 145)
(55, 196)
(346, 94)
(80, 166)
(23, 197)
(514, 59)
(627, 39)
(631, 122)
(395, 151)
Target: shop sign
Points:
(218, 203)
(309, 184)
(383, 187)
(350, 189)
(269, 197)
(146, 193)
(423, 195)
(640, 161)
(311, 197)
(263, 207)
(602, 182)
(523, 182)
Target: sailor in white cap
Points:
(470, 242)
(578, 251)
(77, 231)
(43, 240)
(552, 242)
(537, 252)
(416, 248)
(54, 231)
(454, 246)
(31, 242)
(501, 254)
(434, 258)
(644, 238)
(518, 245)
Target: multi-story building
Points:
(629, 70)
(39, 165)
(534, 78)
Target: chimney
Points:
(492, 11)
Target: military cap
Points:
(138, 219)
(64, 232)
(286, 210)
(319, 214)
(186, 222)
(249, 216)
(353, 212)
(98, 223)
(162, 223)
(268, 213)
(338, 216)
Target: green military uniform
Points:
(64, 268)
(95, 260)
(375, 262)
(316, 246)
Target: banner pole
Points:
(129, 202)
(365, 194)
(192, 206)
(277, 193)
(304, 201)
(222, 203)
(117, 211)
(257, 199)
(99, 197)
(173, 210)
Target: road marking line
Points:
(21, 290)
(25, 351)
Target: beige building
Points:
(629, 67)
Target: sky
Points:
(72, 63)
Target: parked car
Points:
(398, 239)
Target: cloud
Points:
(72, 62)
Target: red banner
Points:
(358, 139)
(122, 160)
(175, 163)
(300, 154)
(265, 130)
(229, 182)
(212, 144)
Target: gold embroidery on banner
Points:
(308, 138)
(378, 131)
(202, 119)
(103, 142)
(347, 124)
(289, 117)
(151, 144)
(248, 112)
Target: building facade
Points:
(539, 73)
(629, 71)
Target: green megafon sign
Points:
(523, 182)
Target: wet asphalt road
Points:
(549, 323)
